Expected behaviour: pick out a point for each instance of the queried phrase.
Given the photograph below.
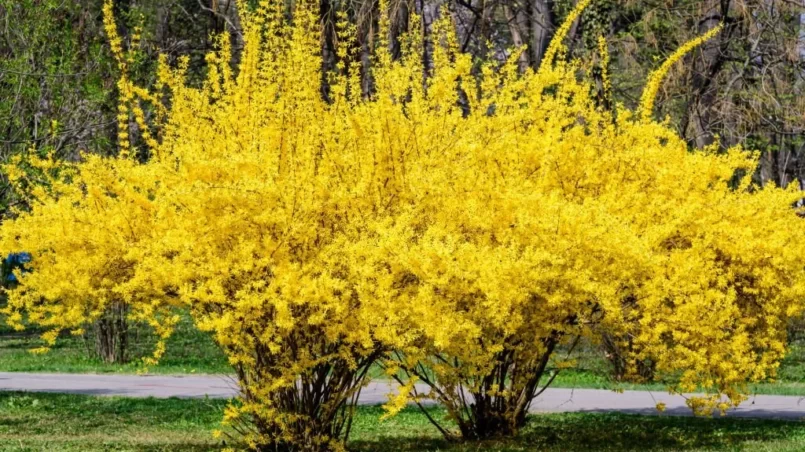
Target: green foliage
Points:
(56, 82)
(56, 77)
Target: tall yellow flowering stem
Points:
(556, 45)
(646, 108)
(606, 81)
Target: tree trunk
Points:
(426, 12)
(542, 28)
(513, 21)
(700, 115)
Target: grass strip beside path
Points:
(59, 422)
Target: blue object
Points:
(13, 262)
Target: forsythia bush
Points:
(461, 228)
(89, 228)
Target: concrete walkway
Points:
(552, 400)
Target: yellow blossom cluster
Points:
(460, 227)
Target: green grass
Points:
(59, 422)
(784, 385)
(587, 432)
(74, 423)
(593, 372)
(188, 351)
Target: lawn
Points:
(189, 351)
(60, 422)
(593, 372)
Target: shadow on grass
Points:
(611, 432)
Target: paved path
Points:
(553, 400)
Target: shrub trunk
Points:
(313, 414)
(491, 405)
(112, 335)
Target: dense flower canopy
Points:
(477, 212)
